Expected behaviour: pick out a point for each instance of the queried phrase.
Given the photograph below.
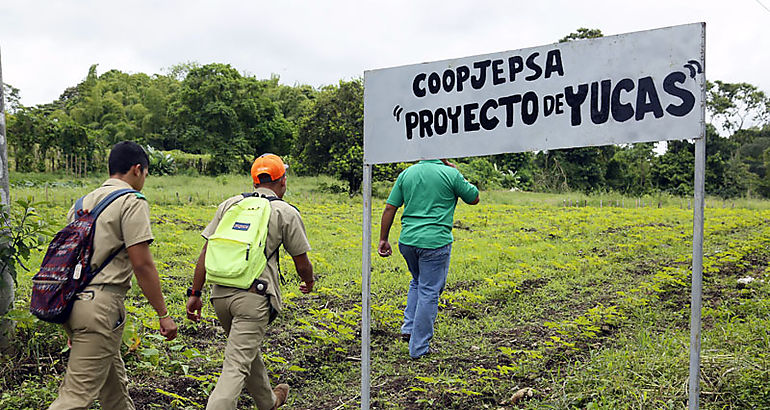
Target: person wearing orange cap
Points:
(245, 314)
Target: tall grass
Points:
(208, 190)
(587, 306)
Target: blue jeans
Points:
(429, 268)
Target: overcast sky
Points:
(47, 46)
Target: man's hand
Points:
(305, 271)
(306, 287)
(384, 249)
(194, 306)
(387, 221)
(168, 328)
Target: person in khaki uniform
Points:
(95, 327)
(245, 314)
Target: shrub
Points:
(482, 173)
(160, 162)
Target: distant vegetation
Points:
(211, 119)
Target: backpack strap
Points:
(110, 198)
(79, 205)
(275, 198)
(277, 260)
(271, 198)
(108, 260)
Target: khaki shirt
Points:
(285, 227)
(126, 221)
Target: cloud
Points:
(47, 47)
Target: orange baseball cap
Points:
(269, 164)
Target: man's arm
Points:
(305, 271)
(384, 249)
(194, 304)
(147, 277)
(465, 189)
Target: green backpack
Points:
(235, 254)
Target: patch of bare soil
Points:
(148, 391)
(530, 285)
(207, 332)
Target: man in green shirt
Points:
(429, 191)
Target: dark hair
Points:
(264, 178)
(125, 155)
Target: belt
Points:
(258, 286)
(116, 289)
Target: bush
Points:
(160, 162)
(381, 189)
(329, 188)
(482, 173)
(187, 162)
(388, 172)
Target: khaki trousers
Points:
(244, 315)
(95, 368)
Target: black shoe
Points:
(405, 337)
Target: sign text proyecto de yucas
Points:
(634, 87)
(605, 98)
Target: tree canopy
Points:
(218, 120)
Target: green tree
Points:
(330, 138)
(629, 169)
(12, 98)
(673, 171)
(179, 71)
(293, 102)
(23, 132)
(764, 182)
(518, 169)
(217, 110)
(581, 34)
(735, 105)
(550, 175)
(156, 99)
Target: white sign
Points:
(636, 87)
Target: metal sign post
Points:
(697, 272)
(697, 250)
(366, 275)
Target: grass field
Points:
(546, 306)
